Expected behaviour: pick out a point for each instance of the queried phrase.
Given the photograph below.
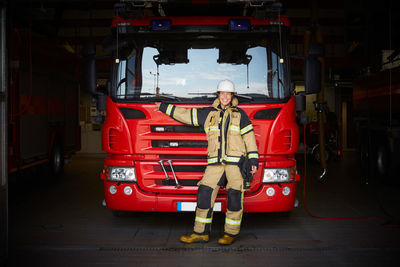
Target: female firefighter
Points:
(230, 137)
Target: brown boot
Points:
(226, 240)
(194, 238)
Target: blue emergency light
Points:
(239, 25)
(160, 25)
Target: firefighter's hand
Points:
(158, 104)
(253, 169)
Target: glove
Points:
(245, 169)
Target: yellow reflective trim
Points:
(232, 159)
(246, 129)
(212, 160)
(211, 121)
(234, 128)
(211, 128)
(194, 119)
(232, 222)
(203, 220)
(169, 109)
(253, 156)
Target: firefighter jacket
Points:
(230, 133)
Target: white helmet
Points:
(226, 86)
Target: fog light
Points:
(286, 191)
(127, 190)
(270, 192)
(112, 190)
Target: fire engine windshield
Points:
(189, 71)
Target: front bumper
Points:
(258, 201)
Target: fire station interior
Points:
(346, 211)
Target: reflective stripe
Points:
(194, 119)
(204, 220)
(234, 128)
(253, 156)
(232, 222)
(231, 159)
(246, 129)
(211, 128)
(169, 109)
(212, 160)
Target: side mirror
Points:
(108, 87)
(300, 102)
(313, 68)
(89, 69)
(101, 101)
(313, 76)
(102, 93)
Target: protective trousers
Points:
(213, 179)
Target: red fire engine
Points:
(153, 162)
(43, 103)
(377, 124)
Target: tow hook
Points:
(173, 173)
(161, 162)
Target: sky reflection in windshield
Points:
(202, 73)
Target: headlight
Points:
(121, 174)
(277, 175)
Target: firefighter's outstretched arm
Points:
(189, 116)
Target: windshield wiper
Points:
(160, 95)
(245, 96)
(205, 94)
(215, 94)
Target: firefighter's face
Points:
(225, 98)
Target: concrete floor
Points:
(64, 224)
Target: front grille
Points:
(175, 129)
(179, 168)
(183, 156)
(179, 143)
(181, 182)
